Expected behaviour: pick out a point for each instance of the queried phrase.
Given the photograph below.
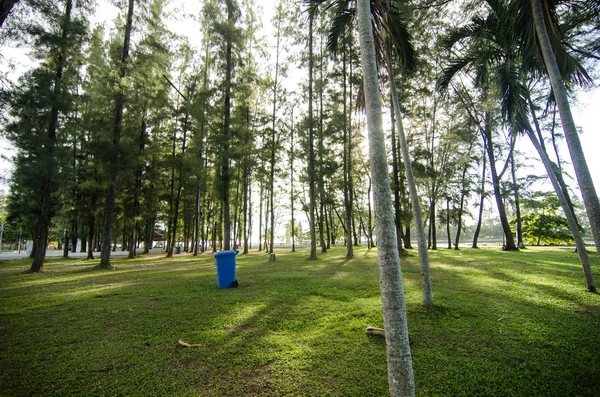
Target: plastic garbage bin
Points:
(178, 250)
(226, 268)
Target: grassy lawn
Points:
(505, 324)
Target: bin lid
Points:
(226, 253)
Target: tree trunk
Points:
(481, 199)
(260, 217)
(510, 241)
(400, 372)
(584, 178)
(463, 193)
(311, 149)
(109, 207)
(520, 242)
(448, 223)
(412, 187)
(225, 177)
(396, 183)
(292, 157)
(347, 130)
(66, 244)
(46, 189)
(565, 203)
(573, 226)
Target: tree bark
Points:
(347, 129)
(510, 241)
(46, 189)
(225, 177)
(109, 207)
(582, 172)
(573, 226)
(481, 199)
(311, 149)
(400, 372)
(412, 188)
(520, 242)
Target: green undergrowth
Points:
(505, 324)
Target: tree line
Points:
(120, 133)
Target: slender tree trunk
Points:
(463, 193)
(396, 182)
(370, 242)
(412, 187)
(582, 172)
(346, 162)
(322, 216)
(311, 149)
(400, 373)
(565, 203)
(573, 226)
(432, 226)
(109, 207)
(66, 244)
(448, 223)
(46, 189)
(225, 155)
(91, 229)
(520, 242)
(260, 217)
(292, 157)
(481, 199)
(510, 241)
(273, 143)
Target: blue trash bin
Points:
(226, 268)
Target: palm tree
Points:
(488, 74)
(391, 37)
(400, 373)
(494, 38)
(538, 25)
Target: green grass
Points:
(505, 324)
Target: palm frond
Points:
(449, 72)
(341, 21)
(532, 60)
(402, 41)
(513, 95)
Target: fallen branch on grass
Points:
(185, 344)
(375, 331)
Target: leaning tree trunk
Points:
(584, 178)
(510, 241)
(412, 187)
(109, 207)
(400, 372)
(573, 226)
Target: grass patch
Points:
(505, 324)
